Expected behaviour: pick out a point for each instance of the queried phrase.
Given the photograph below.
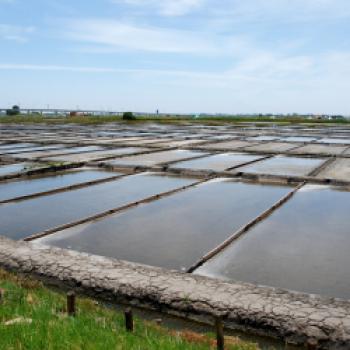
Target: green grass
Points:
(94, 327)
(211, 120)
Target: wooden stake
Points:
(71, 303)
(129, 321)
(312, 344)
(220, 340)
(2, 295)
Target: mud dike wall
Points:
(294, 317)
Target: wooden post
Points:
(158, 321)
(2, 294)
(312, 344)
(220, 340)
(71, 303)
(129, 321)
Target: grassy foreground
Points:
(172, 119)
(33, 317)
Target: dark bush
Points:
(15, 110)
(128, 116)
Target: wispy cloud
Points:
(250, 60)
(269, 83)
(264, 55)
(120, 35)
(165, 7)
(281, 10)
(88, 69)
(53, 68)
(15, 33)
(234, 11)
(265, 67)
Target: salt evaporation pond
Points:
(155, 158)
(217, 162)
(23, 187)
(302, 246)
(283, 165)
(175, 231)
(24, 218)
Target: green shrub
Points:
(128, 116)
(14, 111)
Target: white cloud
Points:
(166, 7)
(178, 7)
(249, 10)
(265, 65)
(281, 10)
(264, 68)
(251, 62)
(53, 68)
(15, 33)
(264, 84)
(119, 35)
(276, 63)
(87, 69)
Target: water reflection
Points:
(303, 246)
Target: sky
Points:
(184, 56)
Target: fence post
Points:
(71, 303)
(220, 340)
(129, 321)
(312, 344)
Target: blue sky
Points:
(187, 56)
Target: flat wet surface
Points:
(330, 140)
(89, 156)
(227, 145)
(181, 143)
(263, 138)
(347, 152)
(298, 139)
(12, 189)
(273, 147)
(155, 158)
(12, 146)
(175, 231)
(24, 218)
(29, 149)
(143, 141)
(217, 162)
(319, 149)
(302, 246)
(338, 170)
(68, 150)
(9, 169)
(281, 165)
